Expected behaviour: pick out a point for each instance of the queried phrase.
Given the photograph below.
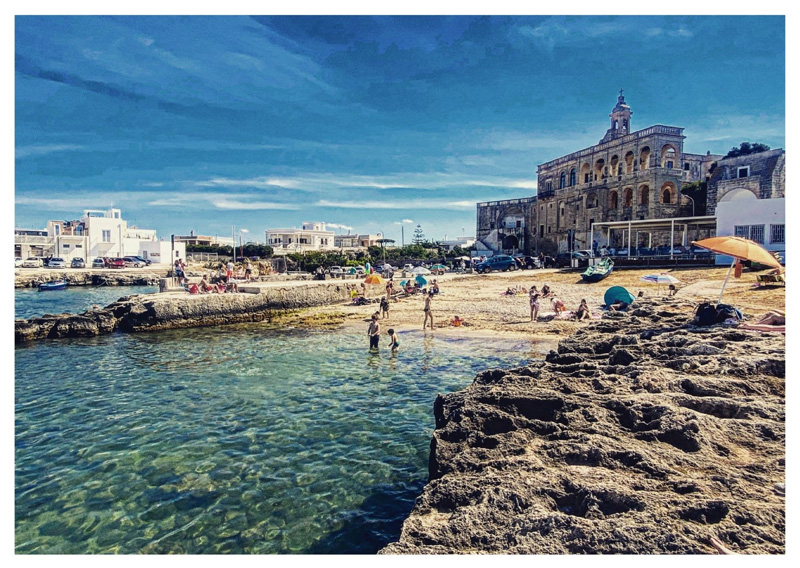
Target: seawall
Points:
(24, 278)
(642, 434)
(172, 310)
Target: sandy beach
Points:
(479, 299)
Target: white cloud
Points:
(249, 205)
(338, 226)
(412, 204)
(43, 149)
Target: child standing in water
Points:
(393, 339)
(374, 332)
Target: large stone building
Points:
(628, 175)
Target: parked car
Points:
(32, 262)
(408, 267)
(18, 261)
(500, 262)
(562, 260)
(115, 263)
(56, 262)
(78, 262)
(133, 261)
(146, 262)
(98, 263)
(335, 271)
(360, 270)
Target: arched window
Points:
(629, 197)
(665, 196)
(629, 163)
(644, 195)
(644, 158)
(563, 183)
(613, 201)
(572, 176)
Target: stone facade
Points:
(626, 176)
(762, 174)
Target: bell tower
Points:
(620, 120)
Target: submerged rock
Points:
(624, 441)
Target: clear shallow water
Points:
(233, 439)
(29, 302)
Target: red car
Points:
(114, 263)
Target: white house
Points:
(312, 236)
(97, 234)
(463, 242)
(760, 220)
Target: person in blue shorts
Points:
(374, 332)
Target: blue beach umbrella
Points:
(618, 293)
(420, 280)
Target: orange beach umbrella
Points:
(740, 249)
(374, 279)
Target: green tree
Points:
(746, 148)
(419, 236)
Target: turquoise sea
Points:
(237, 439)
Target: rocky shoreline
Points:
(173, 310)
(32, 279)
(642, 434)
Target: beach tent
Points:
(618, 293)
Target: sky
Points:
(368, 124)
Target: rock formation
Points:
(150, 312)
(643, 434)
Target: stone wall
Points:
(766, 177)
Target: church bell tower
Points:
(620, 120)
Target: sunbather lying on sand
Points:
(774, 320)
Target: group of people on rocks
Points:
(220, 281)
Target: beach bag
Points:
(705, 314)
(724, 311)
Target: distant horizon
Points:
(364, 123)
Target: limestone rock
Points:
(623, 441)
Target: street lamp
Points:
(692, 203)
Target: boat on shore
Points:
(598, 271)
(54, 285)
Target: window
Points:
(65, 246)
(106, 236)
(743, 172)
(586, 178)
(563, 181)
(687, 166)
(670, 164)
(572, 175)
(57, 229)
(777, 233)
(491, 225)
(519, 224)
(753, 232)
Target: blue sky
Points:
(368, 123)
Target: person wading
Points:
(427, 309)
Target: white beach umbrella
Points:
(661, 279)
(420, 270)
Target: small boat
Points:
(55, 285)
(597, 272)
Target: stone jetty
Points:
(171, 310)
(126, 277)
(642, 434)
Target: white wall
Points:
(159, 252)
(750, 211)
